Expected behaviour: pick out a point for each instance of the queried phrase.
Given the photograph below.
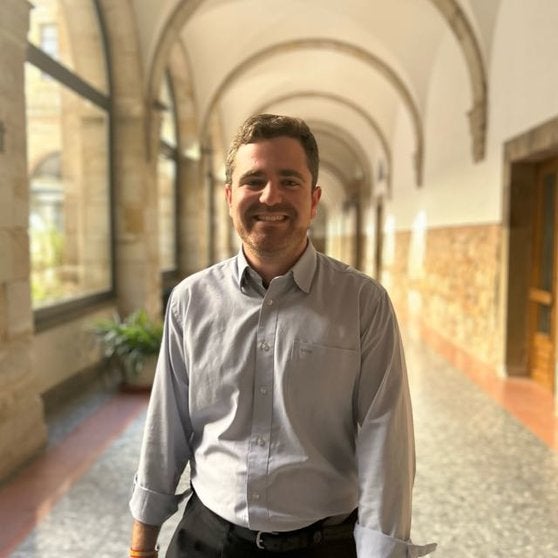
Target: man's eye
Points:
(290, 183)
(253, 183)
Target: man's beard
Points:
(270, 241)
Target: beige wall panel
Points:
(61, 352)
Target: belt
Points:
(312, 535)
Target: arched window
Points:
(167, 166)
(68, 124)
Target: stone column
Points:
(190, 195)
(138, 278)
(350, 231)
(22, 426)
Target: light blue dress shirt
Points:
(290, 404)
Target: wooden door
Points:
(542, 290)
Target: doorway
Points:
(542, 285)
(531, 206)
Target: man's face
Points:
(271, 200)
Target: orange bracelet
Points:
(144, 553)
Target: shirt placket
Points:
(260, 439)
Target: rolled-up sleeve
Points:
(374, 544)
(165, 449)
(385, 442)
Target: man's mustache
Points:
(258, 209)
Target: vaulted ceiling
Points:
(355, 69)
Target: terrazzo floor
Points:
(486, 487)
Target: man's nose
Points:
(271, 194)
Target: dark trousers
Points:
(203, 534)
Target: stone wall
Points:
(451, 291)
(460, 288)
(190, 198)
(22, 427)
(394, 272)
(138, 278)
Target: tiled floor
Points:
(486, 486)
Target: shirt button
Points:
(270, 302)
(264, 346)
(256, 496)
(263, 390)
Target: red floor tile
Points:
(528, 402)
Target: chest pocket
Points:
(320, 383)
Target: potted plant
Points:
(131, 346)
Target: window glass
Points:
(49, 39)
(547, 233)
(69, 32)
(166, 177)
(168, 116)
(544, 321)
(69, 180)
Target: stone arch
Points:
(80, 27)
(352, 106)
(339, 46)
(336, 171)
(350, 144)
(181, 74)
(450, 11)
(169, 34)
(463, 30)
(48, 164)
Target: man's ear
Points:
(316, 195)
(228, 194)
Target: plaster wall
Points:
(455, 190)
(406, 197)
(523, 78)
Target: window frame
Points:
(171, 152)
(60, 312)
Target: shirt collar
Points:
(242, 268)
(302, 271)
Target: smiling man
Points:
(272, 197)
(282, 382)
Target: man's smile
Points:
(270, 218)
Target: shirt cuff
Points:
(374, 544)
(153, 508)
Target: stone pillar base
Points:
(23, 434)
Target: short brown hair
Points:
(268, 126)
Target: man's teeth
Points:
(270, 217)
